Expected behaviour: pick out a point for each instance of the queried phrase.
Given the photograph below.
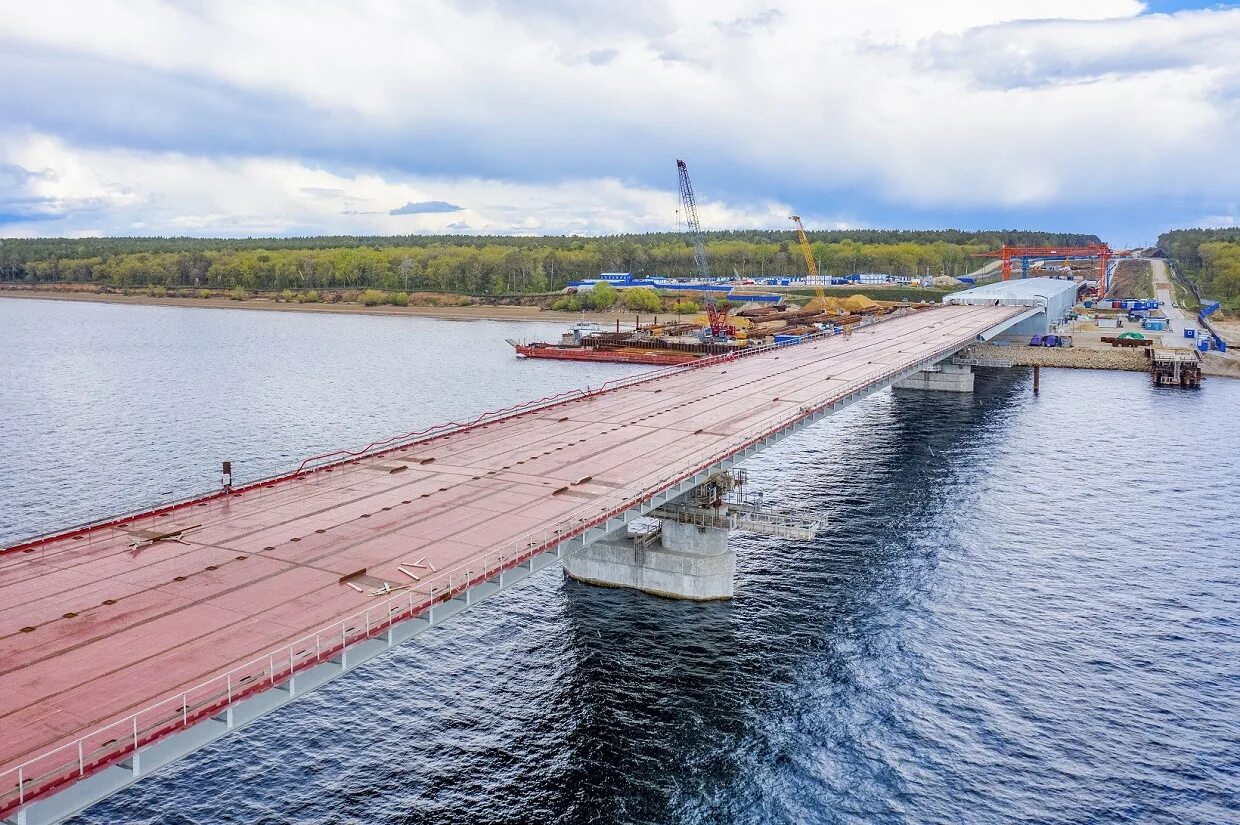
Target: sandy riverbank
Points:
(466, 313)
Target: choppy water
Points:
(1024, 609)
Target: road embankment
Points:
(1070, 357)
(1089, 358)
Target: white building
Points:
(1055, 295)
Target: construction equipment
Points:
(1094, 251)
(717, 319)
(811, 268)
(721, 503)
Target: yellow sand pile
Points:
(860, 303)
(833, 306)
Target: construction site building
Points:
(1056, 296)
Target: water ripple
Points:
(1022, 610)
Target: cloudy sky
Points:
(260, 117)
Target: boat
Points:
(583, 328)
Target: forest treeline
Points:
(487, 264)
(1208, 257)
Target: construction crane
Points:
(717, 318)
(810, 266)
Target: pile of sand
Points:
(734, 321)
(831, 306)
(860, 303)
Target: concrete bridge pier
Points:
(678, 561)
(945, 377)
(688, 556)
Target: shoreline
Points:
(1085, 357)
(465, 313)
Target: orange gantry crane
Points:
(1099, 252)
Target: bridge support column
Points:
(685, 562)
(943, 378)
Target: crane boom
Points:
(691, 218)
(715, 317)
(811, 266)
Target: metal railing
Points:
(107, 745)
(779, 524)
(375, 448)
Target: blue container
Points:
(1203, 344)
(967, 279)
(1190, 333)
(787, 339)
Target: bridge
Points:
(134, 641)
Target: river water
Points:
(1023, 608)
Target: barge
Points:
(619, 355)
(670, 344)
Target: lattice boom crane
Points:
(717, 319)
(811, 266)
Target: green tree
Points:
(642, 299)
(569, 303)
(602, 296)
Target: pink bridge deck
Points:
(94, 628)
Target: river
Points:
(1023, 608)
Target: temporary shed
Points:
(1056, 296)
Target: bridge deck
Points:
(98, 625)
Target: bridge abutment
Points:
(942, 378)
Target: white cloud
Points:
(532, 114)
(108, 191)
(1220, 221)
